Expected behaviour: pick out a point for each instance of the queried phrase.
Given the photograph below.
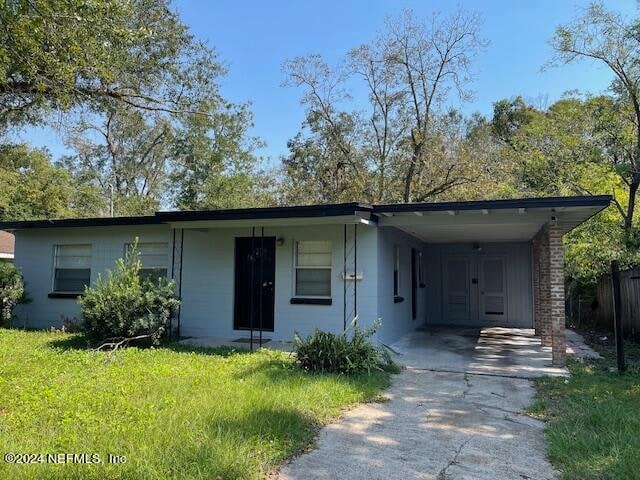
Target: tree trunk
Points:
(408, 180)
(633, 190)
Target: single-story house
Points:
(291, 269)
(6, 246)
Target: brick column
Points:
(543, 300)
(557, 301)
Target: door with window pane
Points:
(456, 288)
(493, 288)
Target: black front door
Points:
(255, 267)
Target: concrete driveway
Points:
(454, 413)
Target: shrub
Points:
(125, 305)
(11, 290)
(348, 352)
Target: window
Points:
(313, 269)
(396, 271)
(72, 268)
(154, 258)
(420, 271)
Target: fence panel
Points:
(630, 293)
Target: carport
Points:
(496, 263)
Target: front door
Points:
(255, 272)
(456, 286)
(493, 298)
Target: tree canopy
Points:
(140, 108)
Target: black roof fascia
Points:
(81, 222)
(548, 202)
(305, 211)
(340, 209)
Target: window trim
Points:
(314, 267)
(54, 266)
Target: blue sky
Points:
(255, 37)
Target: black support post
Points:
(344, 281)
(261, 282)
(180, 279)
(251, 287)
(617, 315)
(355, 271)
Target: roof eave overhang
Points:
(274, 222)
(489, 221)
(601, 201)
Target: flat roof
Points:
(314, 211)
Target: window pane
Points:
(73, 256)
(314, 254)
(313, 282)
(153, 255)
(153, 273)
(71, 279)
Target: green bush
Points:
(349, 352)
(125, 305)
(11, 290)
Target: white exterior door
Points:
(493, 288)
(456, 288)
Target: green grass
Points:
(172, 412)
(594, 418)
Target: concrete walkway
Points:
(454, 413)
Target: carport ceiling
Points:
(492, 221)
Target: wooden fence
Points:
(600, 312)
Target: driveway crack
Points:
(442, 475)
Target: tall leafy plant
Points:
(349, 352)
(125, 304)
(11, 291)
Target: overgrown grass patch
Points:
(594, 418)
(173, 412)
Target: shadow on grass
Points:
(238, 446)
(80, 341)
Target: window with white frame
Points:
(71, 268)
(313, 269)
(154, 258)
(396, 271)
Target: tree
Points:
(31, 187)
(569, 148)
(610, 39)
(124, 156)
(59, 55)
(409, 72)
(136, 87)
(213, 163)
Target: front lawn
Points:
(594, 418)
(171, 412)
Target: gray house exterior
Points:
(293, 269)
